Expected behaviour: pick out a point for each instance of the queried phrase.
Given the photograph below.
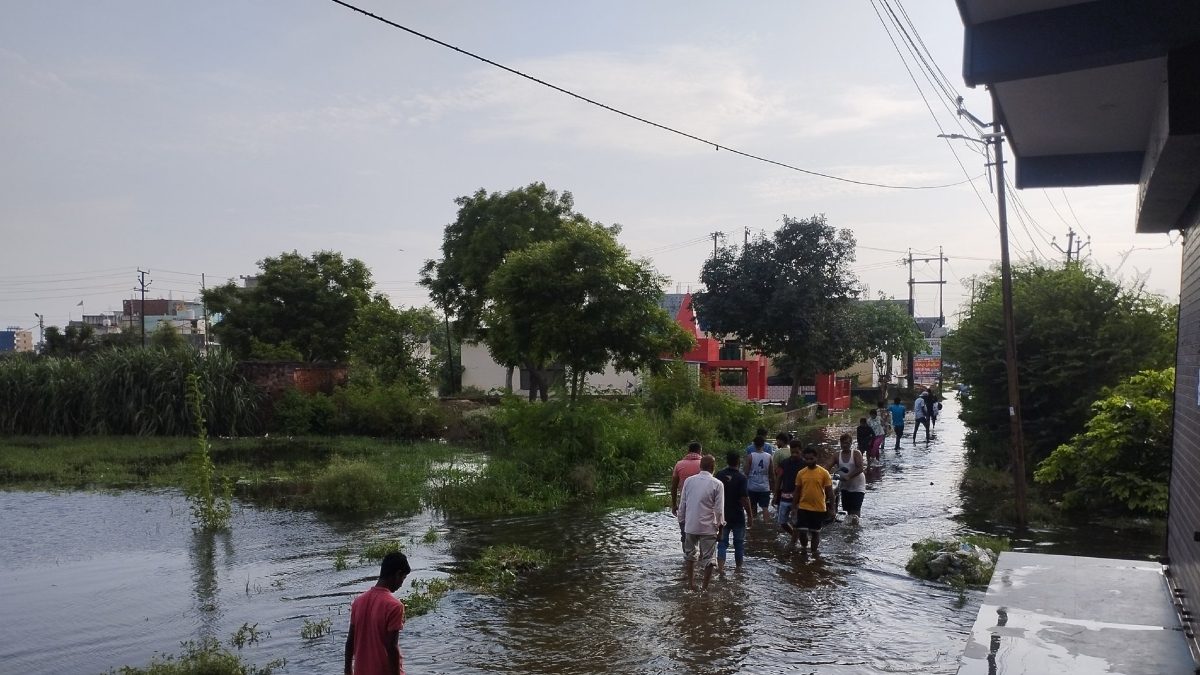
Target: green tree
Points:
(1077, 333)
(1122, 460)
(580, 302)
(787, 295)
(166, 337)
(883, 329)
(486, 230)
(298, 306)
(386, 344)
(77, 341)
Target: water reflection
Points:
(206, 591)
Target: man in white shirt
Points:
(701, 514)
(921, 415)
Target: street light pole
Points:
(1016, 437)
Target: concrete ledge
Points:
(1067, 614)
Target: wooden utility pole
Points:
(1016, 439)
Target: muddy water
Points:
(91, 581)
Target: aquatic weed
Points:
(498, 567)
(339, 559)
(312, 630)
(431, 536)
(379, 549)
(248, 634)
(425, 596)
(205, 657)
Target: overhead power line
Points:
(643, 120)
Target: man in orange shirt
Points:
(684, 469)
(376, 618)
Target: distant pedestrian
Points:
(376, 619)
(761, 433)
(738, 510)
(877, 428)
(933, 405)
(760, 477)
(813, 497)
(866, 436)
(785, 488)
(898, 411)
(920, 417)
(684, 469)
(853, 483)
(701, 516)
(783, 441)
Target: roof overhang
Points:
(1096, 92)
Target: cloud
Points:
(707, 93)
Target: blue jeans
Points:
(739, 542)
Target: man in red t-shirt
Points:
(684, 469)
(376, 617)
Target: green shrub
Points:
(425, 596)
(389, 411)
(351, 487)
(1122, 459)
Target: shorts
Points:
(781, 515)
(810, 520)
(700, 546)
(852, 501)
(759, 500)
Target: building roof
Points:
(1099, 92)
(672, 302)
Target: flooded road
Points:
(95, 581)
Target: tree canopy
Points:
(883, 328)
(487, 229)
(580, 302)
(1077, 333)
(299, 307)
(787, 295)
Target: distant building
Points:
(14, 339)
(185, 316)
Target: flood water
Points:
(91, 581)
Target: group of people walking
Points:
(713, 507)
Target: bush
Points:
(389, 411)
(1122, 460)
(351, 487)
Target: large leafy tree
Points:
(580, 302)
(1122, 459)
(788, 295)
(302, 307)
(487, 229)
(882, 328)
(1077, 333)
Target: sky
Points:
(193, 139)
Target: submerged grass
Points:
(205, 657)
(498, 568)
(344, 475)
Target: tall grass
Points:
(139, 392)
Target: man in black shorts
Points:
(813, 499)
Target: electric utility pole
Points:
(143, 285)
(1075, 246)
(912, 283)
(204, 310)
(41, 345)
(715, 236)
(1010, 334)
(1016, 436)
